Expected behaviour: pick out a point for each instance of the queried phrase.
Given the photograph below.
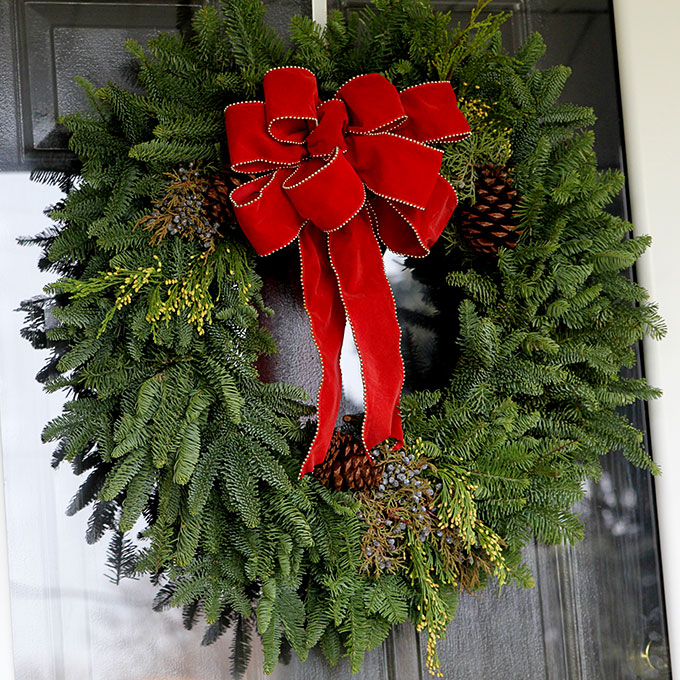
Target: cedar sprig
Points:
(181, 211)
(401, 503)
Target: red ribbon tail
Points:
(369, 305)
(327, 320)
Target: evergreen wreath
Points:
(192, 461)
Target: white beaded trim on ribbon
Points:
(277, 165)
(281, 68)
(287, 141)
(449, 138)
(428, 82)
(252, 181)
(415, 141)
(383, 129)
(334, 155)
(323, 367)
(392, 198)
(287, 243)
(248, 101)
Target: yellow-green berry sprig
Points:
(433, 615)
(457, 510)
(167, 296)
(190, 294)
(125, 282)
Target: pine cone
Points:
(489, 223)
(216, 203)
(347, 465)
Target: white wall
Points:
(649, 59)
(6, 659)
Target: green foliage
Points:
(182, 443)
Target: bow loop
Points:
(360, 96)
(253, 149)
(433, 114)
(254, 205)
(409, 231)
(395, 167)
(328, 193)
(291, 100)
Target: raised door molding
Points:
(49, 42)
(56, 41)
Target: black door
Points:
(597, 609)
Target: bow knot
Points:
(330, 173)
(330, 131)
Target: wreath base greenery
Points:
(190, 459)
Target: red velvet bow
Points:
(318, 160)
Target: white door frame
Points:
(319, 11)
(649, 59)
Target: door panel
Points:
(56, 41)
(44, 44)
(597, 609)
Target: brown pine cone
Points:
(216, 202)
(489, 223)
(347, 465)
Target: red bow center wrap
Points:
(317, 160)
